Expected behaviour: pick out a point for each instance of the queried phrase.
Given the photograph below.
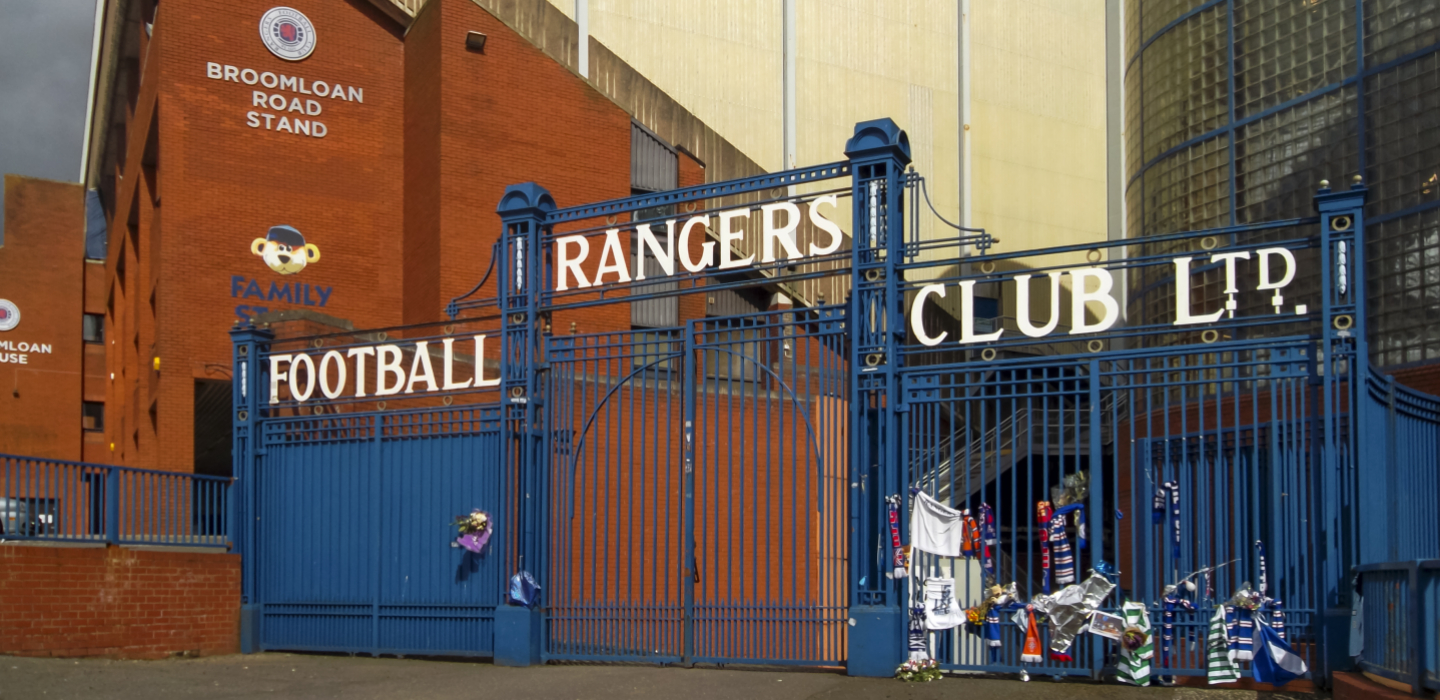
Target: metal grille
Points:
(1403, 114)
(1184, 84)
(1404, 289)
(654, 167)
(1155, 14)
(1285, 49)
(1189, 190)
(1133, 131)
(1282, 158)
(1394, 28)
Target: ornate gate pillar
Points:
(249, 376)
(518, 630)
(878, 153)
(1344, 356)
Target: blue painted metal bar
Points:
(729, 188)
(66, 501)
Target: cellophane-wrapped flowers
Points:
(922, 671)
(474, 530)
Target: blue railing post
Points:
(518, 630)
(1345, 361)
(878, 153)
(112, 505)
(248, 382)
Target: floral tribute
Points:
(922, 671)
(474, 530)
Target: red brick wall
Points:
(200, 184)
(117, 602)
(42, 272)
(399, 196)
(1426, 378)
(486, 120)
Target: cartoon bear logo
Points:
(284, 249)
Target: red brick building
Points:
(52, 357)
(383, 150)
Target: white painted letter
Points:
(1182, 297)
(612, 259)
(421, 361)
(967, 317)
(387, 364)
(826, 225)
(213, 71)
(666, 257)
(450, 383)
(1022, 305)
(276, 376)
(727, 235)
(785, 234)
(339, 360)
(707, 249)
(1078, 298)
(480, 379)
(916, 309)
(295, 392)
(1264, 254)
(360, 354)
(571, 264)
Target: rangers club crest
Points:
(287, 33)
(9, 315)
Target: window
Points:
(94, 328)
(92, 416)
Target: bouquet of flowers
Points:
(922, 671)
(474, 530)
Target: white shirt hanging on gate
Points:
(941, 610)
(935, 527)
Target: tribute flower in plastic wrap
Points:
(922, 671)
(474, 530)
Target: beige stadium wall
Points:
(1037, 93)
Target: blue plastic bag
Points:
(524, 590)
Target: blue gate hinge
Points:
(902, 408)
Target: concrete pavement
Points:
(360, 678)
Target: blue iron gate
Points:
(737, 489)
(715, 449)
(343, 494)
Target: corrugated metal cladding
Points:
(653, 165)
(653, 168)
(735, 302)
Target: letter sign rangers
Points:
(287, 33)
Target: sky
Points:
(44, 75)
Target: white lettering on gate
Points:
(1084, 294)
(298, 371)
(779, 223)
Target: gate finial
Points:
(878, 137)
(526, 198)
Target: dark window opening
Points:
(213, 428)
(94, 328)
(92, 416)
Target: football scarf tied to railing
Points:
(1239, 630)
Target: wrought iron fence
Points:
(1400, 439)
(48, 499)
(1398, 608)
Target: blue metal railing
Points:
(1403, 427)
(1399, 604)
(48, 499)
